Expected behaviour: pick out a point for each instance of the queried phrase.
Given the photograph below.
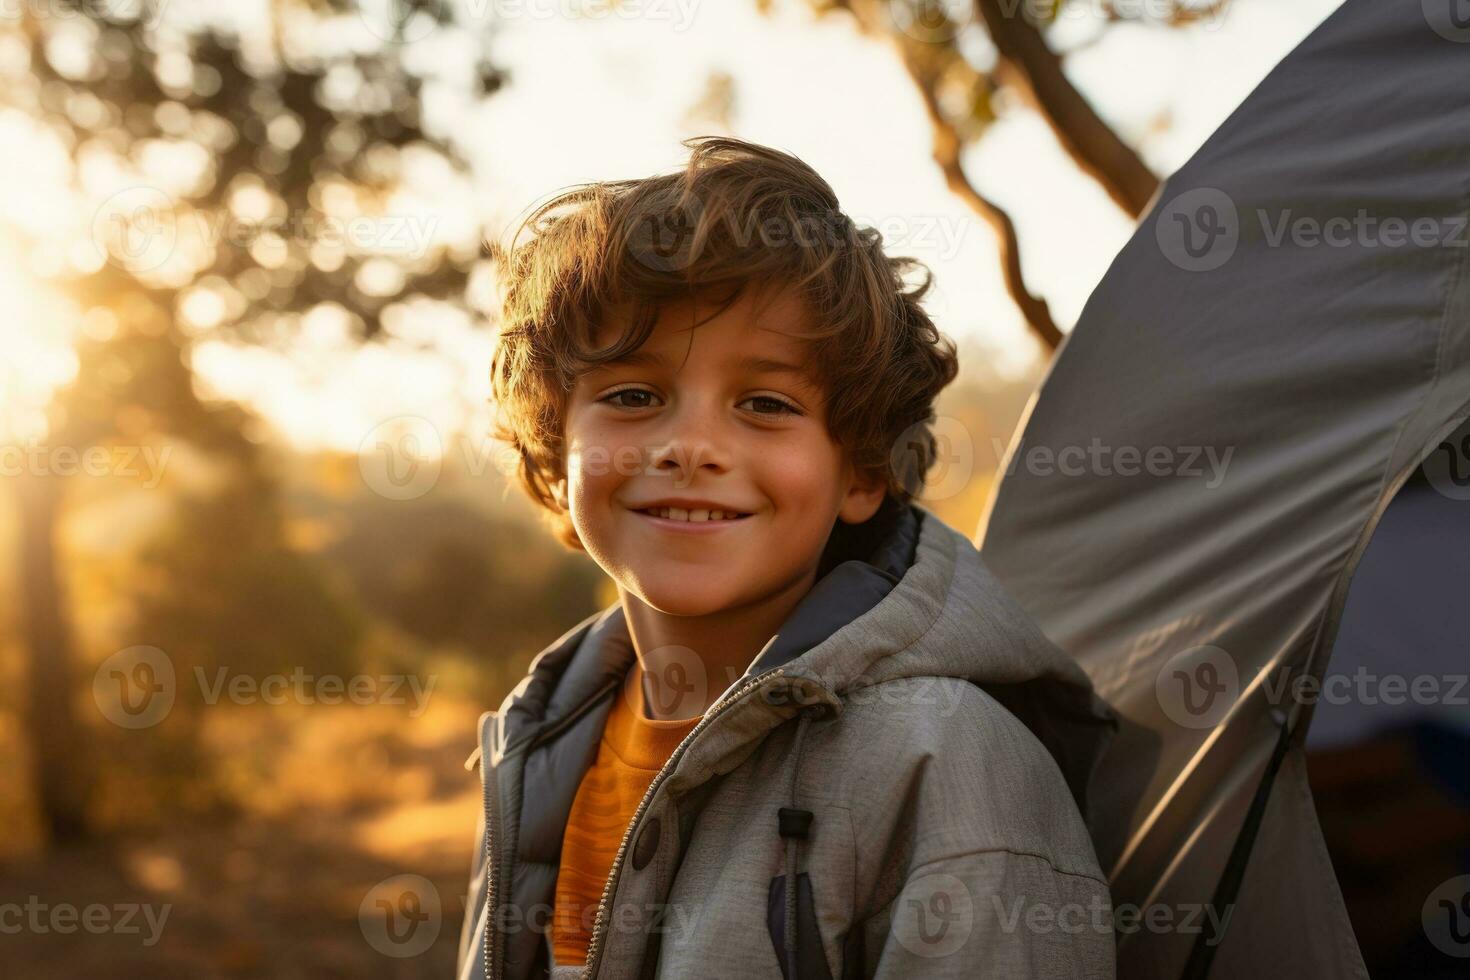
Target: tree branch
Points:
(947, 146)
(1084, 135)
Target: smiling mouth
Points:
(693, 516)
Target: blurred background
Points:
(261, 567)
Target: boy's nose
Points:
(694, 442)
(683, 457)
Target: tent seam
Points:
(1333, 609)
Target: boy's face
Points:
(693, 418)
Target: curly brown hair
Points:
(738, 214)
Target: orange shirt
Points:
(634, 748)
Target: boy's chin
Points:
(676, 598)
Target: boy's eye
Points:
(612, 398)
(642, 398)
(772, 405)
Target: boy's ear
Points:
(559, 491)
(865, 495)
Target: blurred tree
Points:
(461, 576)
(131, 390)
(714, 110)
(217, 577)
(247, 179)
(958, 75)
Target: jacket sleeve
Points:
(987, 868)
(993, 913)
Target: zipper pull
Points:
(475, 756)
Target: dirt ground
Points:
(307, 885)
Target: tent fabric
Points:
(1279, 345)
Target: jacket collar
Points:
(860, 565)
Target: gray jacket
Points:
(909, 749)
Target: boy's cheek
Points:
(598, 459)
(803, 489)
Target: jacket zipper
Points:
(490, 789)
(492, 859)
(599, 929)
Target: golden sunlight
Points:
(36, 329)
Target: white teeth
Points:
(696, 516)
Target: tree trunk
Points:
(63, 777)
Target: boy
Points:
(812, 738)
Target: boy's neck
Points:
(689, 661)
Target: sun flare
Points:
(36, 355)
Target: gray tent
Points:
(1279, 347)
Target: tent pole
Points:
(1203, 952)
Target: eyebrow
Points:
(765, 365)
(756, 365)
